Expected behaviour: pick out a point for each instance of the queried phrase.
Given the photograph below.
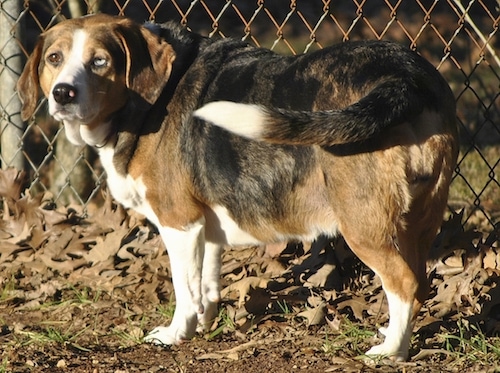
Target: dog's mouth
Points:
(73, 118)
(71, 113)
(75, 113)
(82, 123)
(64, 114)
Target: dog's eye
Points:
(54, 59)
(99, 62)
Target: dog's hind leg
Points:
(400, 284)
(210, 284)
(399, 259)
(186, 251)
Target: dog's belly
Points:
(222, 229)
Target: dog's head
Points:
(91, 67)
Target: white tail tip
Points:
(242, 119)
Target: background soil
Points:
(78, 293)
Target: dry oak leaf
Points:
(243, 287)
(321, 277)
(11, 183)
(274, 250)
(314, 315)
(451, 237)
(491, 258)
(357, 304)
(107, 246)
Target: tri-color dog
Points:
(221, 143)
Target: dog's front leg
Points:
(186, 250)
(210, 285)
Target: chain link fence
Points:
(459, 37)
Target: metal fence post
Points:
(11, 64)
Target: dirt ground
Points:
(78, 293)
(275, 355)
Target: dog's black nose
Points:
(64, 93)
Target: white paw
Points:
(163, 335)
(383, 351)
(206, 319)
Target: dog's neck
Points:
(95, 135)
(124, 136)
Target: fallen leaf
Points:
(12, 182)
(321, 277)
(333, 318)
(106, 246)
(258, 301)
(243, 286)
(274, 250)
(491, 259)
(314, 315)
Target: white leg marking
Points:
(186, 250)
(210, 283)
(398, 333)
(242, 119)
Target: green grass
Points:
(130, 334)
(352, 337)
(477, 184)
(225, 323)
(49, 331)
(84, 296)
(7, 290)
(53, 335)
(284, 307)
(167, 310)
(471, 345)
(4, 365)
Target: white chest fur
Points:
(130, 192)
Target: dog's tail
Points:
(390, 103)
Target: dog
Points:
(218, 143)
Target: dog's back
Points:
(371, 115)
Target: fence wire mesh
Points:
(459, 37)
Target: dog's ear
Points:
(29, 82)
(149, 60)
